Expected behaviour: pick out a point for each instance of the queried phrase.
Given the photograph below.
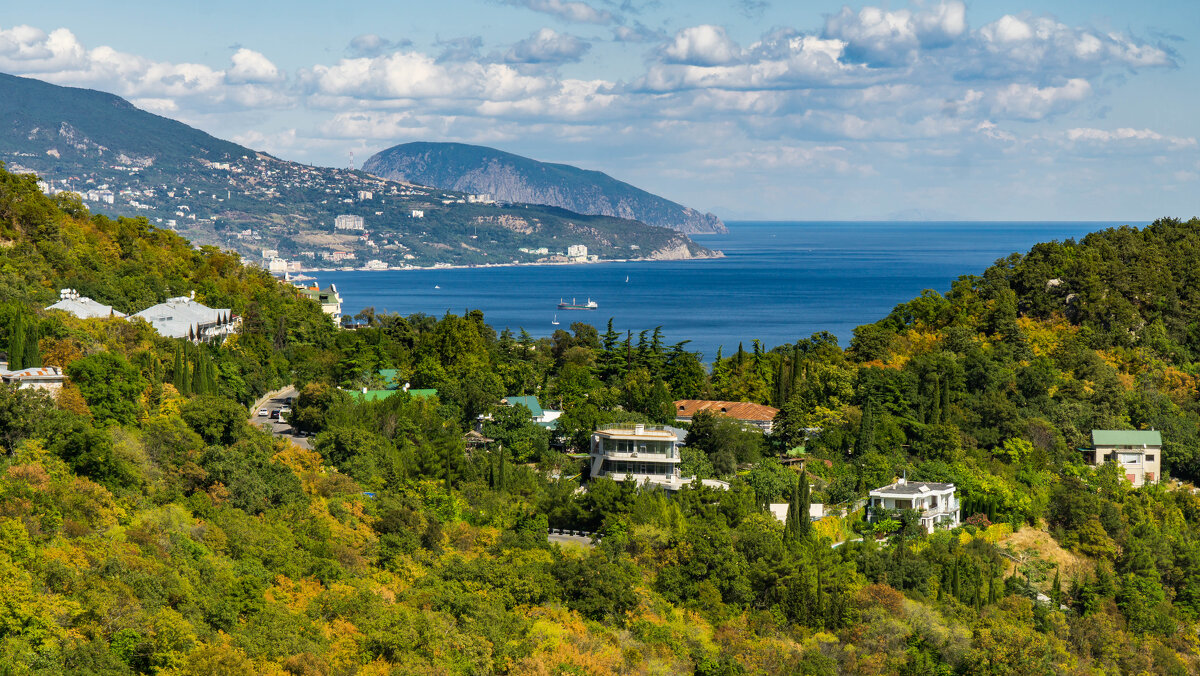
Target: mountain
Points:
(126, 161)
(513, 178)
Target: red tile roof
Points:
(740, 410)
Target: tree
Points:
(111, 386)
(217, 419)
(798, 526)
(17, 335)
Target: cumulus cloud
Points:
(548, 46)
(1029, 102)
(705, 45)
(370, 44)
(567, 10)
(251, 67)
(883, 38)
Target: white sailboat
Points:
(555, 320)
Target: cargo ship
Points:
(589, 305)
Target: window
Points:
(1149, 458)
(1129, 458)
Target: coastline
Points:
(717, 255)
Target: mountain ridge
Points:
(126, 161)
(510, 177)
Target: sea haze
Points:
(778, 281)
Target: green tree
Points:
(111, 386)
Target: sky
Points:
(751, 109)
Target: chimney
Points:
(639, 428)
(364, 390)
(904, 479)
(405, 387)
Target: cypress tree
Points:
(16, 342)
(502, 482)
(866, 429)
(33, 357)
(802, 506)
(178, 374)
(198, 375)
(955, 585)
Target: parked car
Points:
(262, 412)
(275, 414)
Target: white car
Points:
(262, 412)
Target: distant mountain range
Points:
(513, 178)
(126, 161)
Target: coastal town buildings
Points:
(747, 413)
(348, 222)
(935, 503)
(1137, 452)
(577, 253)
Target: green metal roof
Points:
(376, 395)
(391, 378)
(1126, 438)
(530, 403)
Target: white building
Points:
(183, 317)
(779, 510)
(277, 265)
(268, 254)
(418, 213)
(82, 307)
(577, 252)
(643, 453)
(935, 503)
(49, 378)
(348, 222)
(365, 195)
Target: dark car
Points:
(275, 414)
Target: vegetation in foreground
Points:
(145, 527)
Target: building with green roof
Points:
(543, 417)
(1137, 452)
(378, 395)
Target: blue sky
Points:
(748, 108)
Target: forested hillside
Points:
(145, 527)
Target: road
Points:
(271, 401)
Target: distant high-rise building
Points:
(348, 222)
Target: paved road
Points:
(279, 428)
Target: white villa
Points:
(643, 453)
(935, 503)
(183, 317)
(1138, 452)
(82, 307)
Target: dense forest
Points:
(147, 527)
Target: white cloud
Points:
(1128, 136)
(547, 46)
(251, 67)
(1029, 102)
(884, 38)
(705, 45)
(567, 10)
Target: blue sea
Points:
(778, 281)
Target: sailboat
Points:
(555, 320)
(626, 279)
(436, 286)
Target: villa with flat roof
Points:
(1138, 452)
(643, 453)
(935, 503)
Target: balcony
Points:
(638, 455)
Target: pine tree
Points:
(955, 584)
(502, 480)
(797, 525)
(198, 374)
(802, 508)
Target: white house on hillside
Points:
(644, 453)
(935, 503)
(1137, 452)
(82, 307)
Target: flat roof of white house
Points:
(912, 488)
(82, 306)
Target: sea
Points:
(778, 281)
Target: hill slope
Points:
(513, 178)
(126, 161)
